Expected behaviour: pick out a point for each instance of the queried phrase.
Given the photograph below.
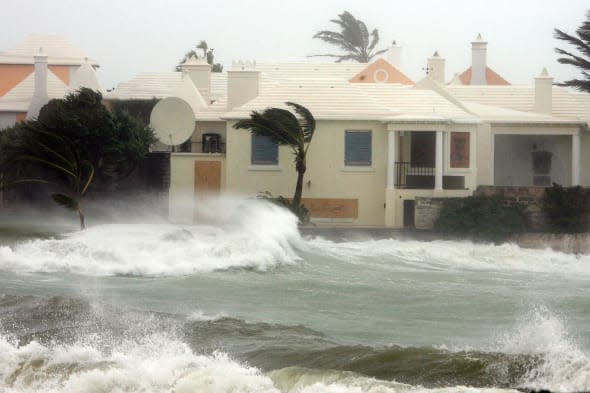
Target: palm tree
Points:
(40, 151)
(207, 55)
(353, 38)
(285, 128)
(581, 60)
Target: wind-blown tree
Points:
(75, 145)
(285, 128)
(353, 38)
(580, 60)
(207, 54)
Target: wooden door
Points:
(207, 177)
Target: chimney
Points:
(479, 61)
(242, 83)
(200, 72)
(544, 93)
(394, 55)
(40, 97)
(436, 68)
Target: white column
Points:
(438, 170)
(390, 159)
(576, 160)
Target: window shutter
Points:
(358, 149)
(264, 150)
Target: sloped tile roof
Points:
(58, 50)
(492, 77)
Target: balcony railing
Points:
(413, 176)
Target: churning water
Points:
(243, 303)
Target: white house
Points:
(381, 139)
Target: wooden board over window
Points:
(331, 208)
(459, 150)
(207, 177)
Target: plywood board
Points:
(207, 177)
(331, 208)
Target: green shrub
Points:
(481, 218)
(566, 209)
(300, 211)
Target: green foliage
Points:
(354, 39)
(285, 128)
(579, 60)
(481, 218)
(74, 144)
(139, 109)
(299, 210)
(567, 209)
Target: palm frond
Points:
(65, 201)
(307, 121)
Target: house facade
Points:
(381, 139)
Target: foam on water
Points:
(564, 367)
(152, 364)
(243, 234)
(453, 255)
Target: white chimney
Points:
(394, 55)
(242, 83)
(544, 93)
(200, 73)
(436, 68)
(40, 97)
(478, 61)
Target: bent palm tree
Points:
(353, 38)
(581, 60)
(283, 127)
(54, 155)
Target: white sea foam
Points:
(564, 366)
(154, 364)
(453, 255)
(240, 234)
(201, 316)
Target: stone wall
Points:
(427, 209)
(530, 197)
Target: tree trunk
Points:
(81, 216)
(300, 167)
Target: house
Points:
(40, 68)
(381, 141)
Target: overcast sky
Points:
(130, 36)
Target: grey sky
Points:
(130, 36)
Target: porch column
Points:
(390, 159)
(438, 170)
(576, 160)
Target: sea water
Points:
(241, 302)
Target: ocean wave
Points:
(247, 234)
(443, 255)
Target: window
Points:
(265, 151)
(357, 148)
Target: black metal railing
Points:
(413, 176)
(409, 175)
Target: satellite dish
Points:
(173, 121)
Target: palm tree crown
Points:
(285, 128)
(581, 60)
(353, 38)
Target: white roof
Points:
(19, 98)
(566, 104)
(58, 50)
(84, 76)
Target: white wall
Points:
(513, 161)
(326, 176)
(7, 119)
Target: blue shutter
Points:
(357, 148)
(264, 150)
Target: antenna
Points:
(173, 121)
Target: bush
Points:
(481, 218)
(566, 209)
(300, 211)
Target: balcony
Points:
(409, 175)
